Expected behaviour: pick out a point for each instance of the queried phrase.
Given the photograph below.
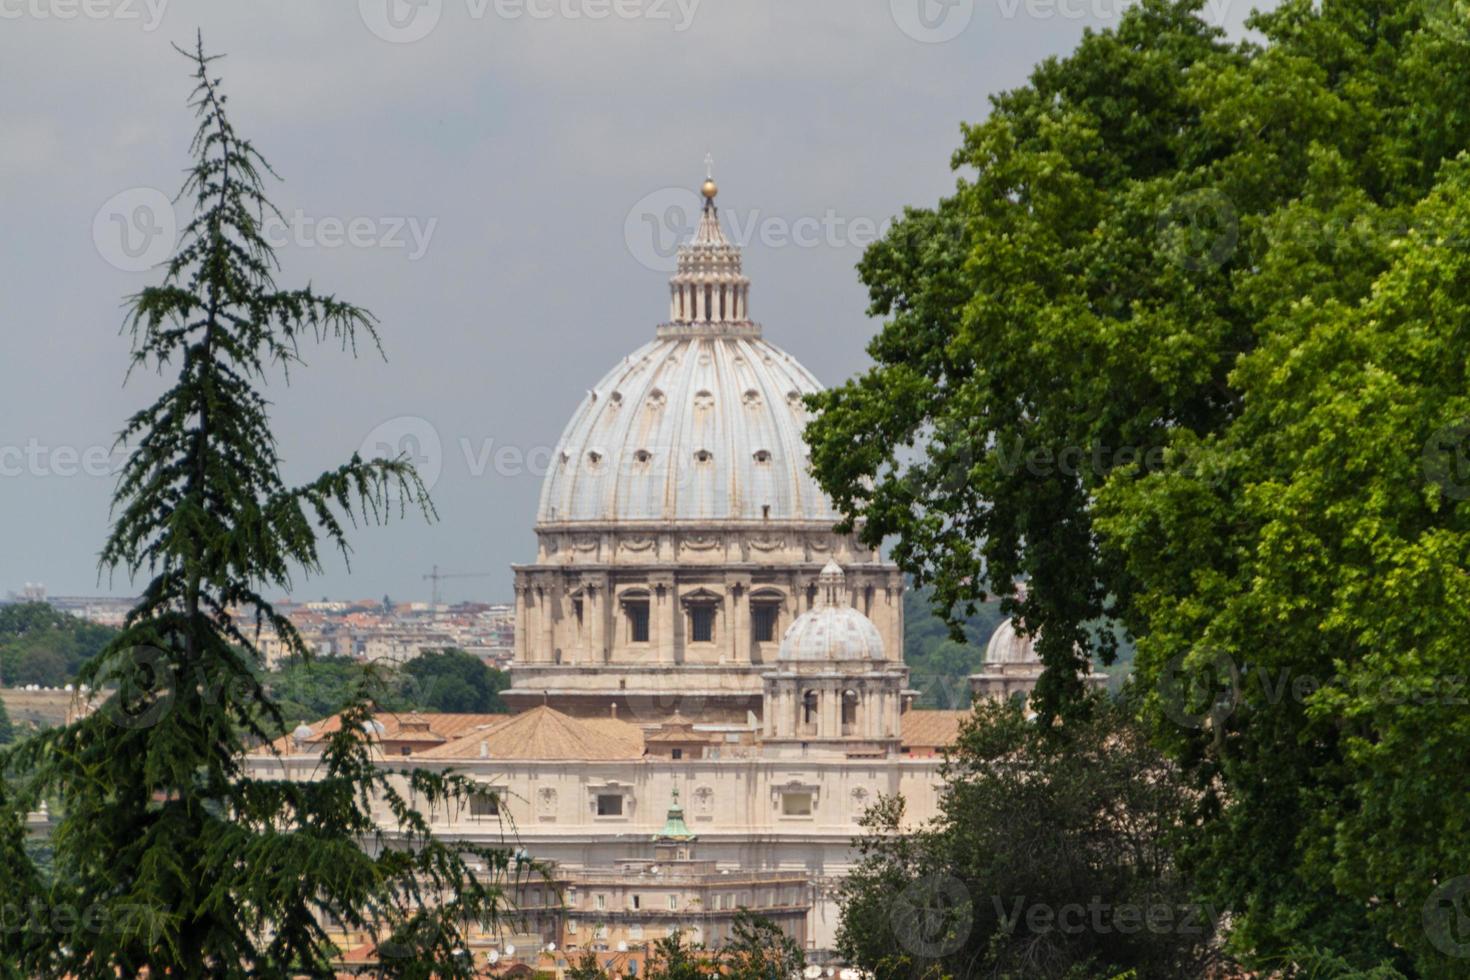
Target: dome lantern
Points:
(708, 294)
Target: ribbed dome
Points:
(832, 630)
(689, 428)
(1009, 647)
(704, 423)
(832, 633)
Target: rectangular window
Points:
(600, 902)
(637, 903)
(702, 624)
(796, 804)
(674, 902)
(763, 618)
(678, 753)
(637, 612)
(610, 804)
(484, 804)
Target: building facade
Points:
(680, 532)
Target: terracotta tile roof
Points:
(545, 733)
(442, 727)
(931, 729)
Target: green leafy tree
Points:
(454, 681)
(1053, 856)
(7, 728)
(41, 645)
(1186, 349)
(759, 950)
(586, 967)
(169, 856)
(675, 959)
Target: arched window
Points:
(810, 701)
(849, 710)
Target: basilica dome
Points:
(704, 423)
(832, 630)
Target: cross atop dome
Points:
(710, 188)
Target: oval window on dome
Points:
(704, 399)
(703, 456)
(794, 397)
(594, 459)
(762, 455)
(656, 398)
(642, 456)
(752, 398)
(617, 398)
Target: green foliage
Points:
(757, 950)
(674, 959)
(940, 665)
(309, 689)
(1187, 349)
(7, 728)
(1052, 857)
(39, 645)
(169, 857)
(455, 681)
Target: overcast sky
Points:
(500, 181)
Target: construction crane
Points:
(436, 576)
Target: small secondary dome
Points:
(832, 630)
(1007, 646)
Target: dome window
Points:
(656, 398)
(703, 456)
(617, 398)
(594, 459)
(762, 455)
(642, 456)
(752, 398)
(703, 399)
(794, 397)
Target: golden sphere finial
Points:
(710, 189)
